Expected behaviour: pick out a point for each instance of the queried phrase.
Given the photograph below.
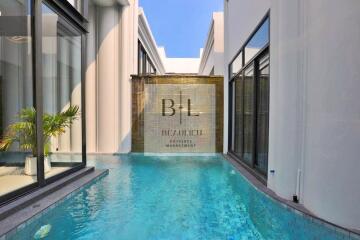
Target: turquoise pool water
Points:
(162, 197)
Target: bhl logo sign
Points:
(169, 108)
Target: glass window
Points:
(258, 41)
(78, 4)
(249, 128)
(248, 118)
(61, 93)
(148, 65)
(153, 70)
(262, 140)
(18, 161)
(232, 115)
(238, 116)
(246, 91)
(145, 65)
(237, 64)
(140, 61)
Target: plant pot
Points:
(31, 166)
(47, 165)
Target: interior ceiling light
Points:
(19, 39)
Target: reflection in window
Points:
(263, 90)
(77, 4)
(248, 114)
(259, 40)
(62, 89)
(250, 97)
(232, 121)
(237, 64)
(17, 162)
(239, 113)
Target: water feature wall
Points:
(177, 114)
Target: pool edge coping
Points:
(294, 207)
(35, 210)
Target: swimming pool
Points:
(177, 197)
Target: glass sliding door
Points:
(262, 115)
(18, 160)
(249, 101)
(250, 114)
(55, 65)
(61, 93)
(238, 143)
(248, 121)
(244, 109)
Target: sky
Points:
(181, 26)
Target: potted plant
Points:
(24, 133)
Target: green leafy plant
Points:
(24, 131)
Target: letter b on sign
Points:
(168, 104)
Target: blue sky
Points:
(180, 26)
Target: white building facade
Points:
(179, 65)
(119, 44)
(212, 57)
(292, 81)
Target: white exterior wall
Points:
(314, 103)
(212, 56)
(314, 110)
(179, 65)
(182, 65)
(149, 43)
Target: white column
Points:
(128, 63)
(91, 96)
(107, 77)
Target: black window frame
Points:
(74, 17)
(242, 50)
(145, 64)
(258, 173)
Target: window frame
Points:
(241, 51)
(258, 173)
(66, 14)
(145, 64)
(70, 14)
